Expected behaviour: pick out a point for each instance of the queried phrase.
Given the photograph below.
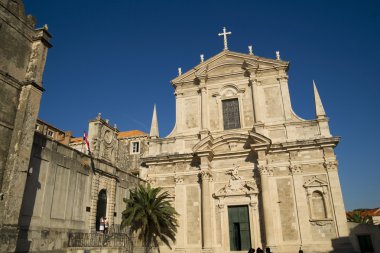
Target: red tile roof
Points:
(366, 212)
(131, 133)
(76, 140)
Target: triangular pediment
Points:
(227, 62)
(315, 182)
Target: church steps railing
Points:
(96, 239)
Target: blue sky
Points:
(118, 57)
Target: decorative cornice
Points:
(178, 179)
(166, 159)
(295, 169)
(205, 175)
(322, 142)
(331, 166)
(265, 170)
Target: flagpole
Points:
(85, 139)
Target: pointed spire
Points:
(319, 110)
(154, 125)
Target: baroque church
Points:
(243, 170)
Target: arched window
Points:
(317, 195)
(231, 114)
(319, 207)
(101, 208)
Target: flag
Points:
(85, 139)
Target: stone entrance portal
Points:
(238, 223)
(101, 207)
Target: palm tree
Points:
(149, 213)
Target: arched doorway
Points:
(101, 207)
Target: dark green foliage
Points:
(150, 213)
(359, 216)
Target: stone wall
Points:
(373, 231)
(61, 193)
(23, 51)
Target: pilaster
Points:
(94, 199)
(283, 81)
(337, 198)
(296, 172)
(206, 178)
(265, 173)
(256, 101)
(180, 206)
(16, 168)
(204, 105)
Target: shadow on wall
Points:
(364, 237)
(342, 245)
(29, 198)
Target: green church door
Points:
(238, 222)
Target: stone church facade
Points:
(243, 169)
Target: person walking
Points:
(101, 225)
(106, 225)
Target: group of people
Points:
(267, 250)
(104, 225)
(259, 250)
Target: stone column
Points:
(203, 91)
(95, 178)
(256, 104)
(206, 177)
(283, 81)
(255, 224)
(300, 202)
(265, 172)
(112, 202)
(337, 198)
(180, 207)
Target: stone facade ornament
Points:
(330, 166)
(250, 50)
(265, 170)
(205, 175)
(178, 179)
(278, 57)
(224, 34)
(236, 185)
(321, 223)
(295, 169)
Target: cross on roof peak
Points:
(224, 34)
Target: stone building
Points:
(53, 132)
(23, 51)
(244, 170)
